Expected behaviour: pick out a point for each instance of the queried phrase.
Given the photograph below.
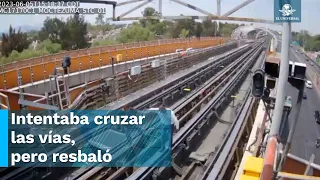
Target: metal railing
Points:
(94, 50)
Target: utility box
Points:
(253, 166)
(300, 70)
(135, 70)
(155, 63)
(272, 65)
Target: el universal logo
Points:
(285, 12)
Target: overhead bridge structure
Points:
(242, 32)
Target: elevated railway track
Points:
(189, 136)
(205, 92)
(208, 84)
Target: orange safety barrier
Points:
(13, 97)
(36, 69)
(93, 50)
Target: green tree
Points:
(226, 29)
(75, 38)
(52, 29)
(14, 41)
(184, 33)
(100, 20)
(135, 33)
(199, 30)
(49, 46)
(209, 27)
(148, 12)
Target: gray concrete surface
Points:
(215, 137)
(153, 87)
(81, 77)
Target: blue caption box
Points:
(4, 138)
(90, 138)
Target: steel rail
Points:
(147, 98)
(189, 79)
(92, 172)
(224, 76)
(216, 167)
(181, 136)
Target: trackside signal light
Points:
(258, 83)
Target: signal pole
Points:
(282, 81)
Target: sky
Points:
(262, 9)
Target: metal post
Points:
(218, 7)
(283, 78)
(112, 65)
(160, 7)
(218, 14)
(114, 12)
(290, 35)
(293, 126)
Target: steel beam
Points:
(199, 17)
(133, 9)
(238, 7)
(128, 2)
(192, 7)
(38, 105)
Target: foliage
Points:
(307, 41)
(101, 24)
(209, 27)
(58, 34)
(184, 33)
(103, 42)
(33, 35)
(13, 41)
(199, 30)
(76, 37)
(100, 20)
(50, 47)
(70, 34)
(25, 54)
(53, 29)
(149, 11)
(135, 33)
(226, 29)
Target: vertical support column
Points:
(218, 7)
(114, 12)
(160, 7)
(269, 160)
(283, 78)
(218, 14)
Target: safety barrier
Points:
(39, 69)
